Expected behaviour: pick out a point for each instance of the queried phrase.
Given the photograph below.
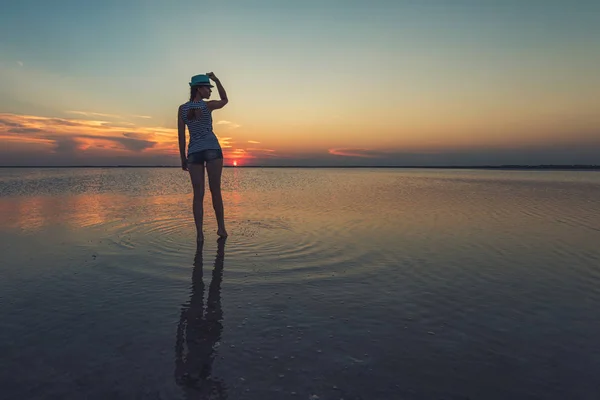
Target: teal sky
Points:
(339, 82)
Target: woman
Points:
(204, 148)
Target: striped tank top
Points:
(202, 136)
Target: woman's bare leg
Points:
(197, 177)
(214, 169)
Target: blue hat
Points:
(200, 80)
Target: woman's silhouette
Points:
(204, 147)
(199, 332)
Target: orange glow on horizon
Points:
(75, 140)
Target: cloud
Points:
(66, 145)
(231, 125)
(65, 122)
(253, 142)
(135, 145)
(249, 153)
(261, 152)
(9, 123)
(130, 143)
(24, 130)
(240, 154)
(135, 135)
(34, 140)
(118, 125)
(357, 152)
(226, 142)
(93, 114)
(69, 136)
(20, 63)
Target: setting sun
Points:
(235, 163)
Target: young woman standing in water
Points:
(204, 148)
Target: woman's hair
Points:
(193, 91)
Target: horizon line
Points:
(483, 166)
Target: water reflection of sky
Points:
(333, 277)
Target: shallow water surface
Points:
(333, 284)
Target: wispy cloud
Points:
(70, 135)
(21, 129)
(226, 142)
(7, 123)
(94, 114)
(261, 151)
(249, 153)
(357, 152)
(245, 150)
(134, 135)
(20, 63)
(231, 125)
(81, 139)
(67, 145)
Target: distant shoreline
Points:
(495, 167)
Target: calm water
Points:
(334, 284)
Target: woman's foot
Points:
(222, 232)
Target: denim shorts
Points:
(200, 157)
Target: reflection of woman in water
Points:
(204, 148)
(199, 331)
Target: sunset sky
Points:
(327, 82)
